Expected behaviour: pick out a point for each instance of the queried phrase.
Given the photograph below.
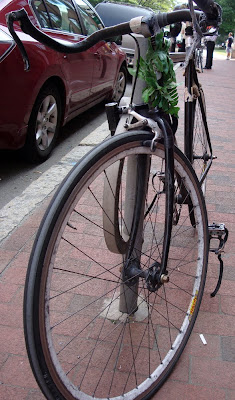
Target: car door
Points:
(60, 20)
(105, 54)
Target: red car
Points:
(35, 104)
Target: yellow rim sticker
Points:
(193, 305)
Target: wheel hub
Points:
(153, 276)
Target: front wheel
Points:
(80, 344)
(44, 125)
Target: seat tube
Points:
(189, 104)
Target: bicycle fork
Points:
(156, 275)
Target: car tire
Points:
(120, 85)
(44, 125)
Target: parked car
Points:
(35, 104)
(113, 13)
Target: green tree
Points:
(157, 5)
(228, 19)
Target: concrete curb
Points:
(13, 213)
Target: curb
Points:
(13, 213)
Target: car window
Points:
(57, 14)
(90, 19)
(42, 14)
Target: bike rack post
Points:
(129, 294)
(140, 84)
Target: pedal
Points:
(218, 232)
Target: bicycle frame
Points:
(193, 92)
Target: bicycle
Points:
(199, 58)
(118, 268)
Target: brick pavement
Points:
(204, 371)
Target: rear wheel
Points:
(200, 142)
(196, 145)
(120, 85)
(199, 60)
(80, 343)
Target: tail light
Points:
(6, 44)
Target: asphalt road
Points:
(16, 175)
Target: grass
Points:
(220, 50)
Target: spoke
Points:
(90, 258)
(52, 109)
(39, 135)
(96, 343)
(45, 105)
(167, 315)
(51, 127)
(183, 259)
(45, 141)
(152, 326)
(90, 277)
(184, 290)
(176, 269)
(158, 312)
(39, 117)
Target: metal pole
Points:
(140, 84)
(138, 169)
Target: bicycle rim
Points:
(80, 345)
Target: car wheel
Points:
(120, 85)
(44, 125)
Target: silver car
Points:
(115, 13)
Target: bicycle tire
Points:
(199, 60)
(197, 148)
(78, 346)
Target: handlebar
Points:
(147, 26)
(209, 7)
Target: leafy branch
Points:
(158, 73)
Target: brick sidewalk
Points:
(204, 372)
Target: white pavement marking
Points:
(13, 213)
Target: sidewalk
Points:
(204, 372)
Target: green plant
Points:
(158, 73)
